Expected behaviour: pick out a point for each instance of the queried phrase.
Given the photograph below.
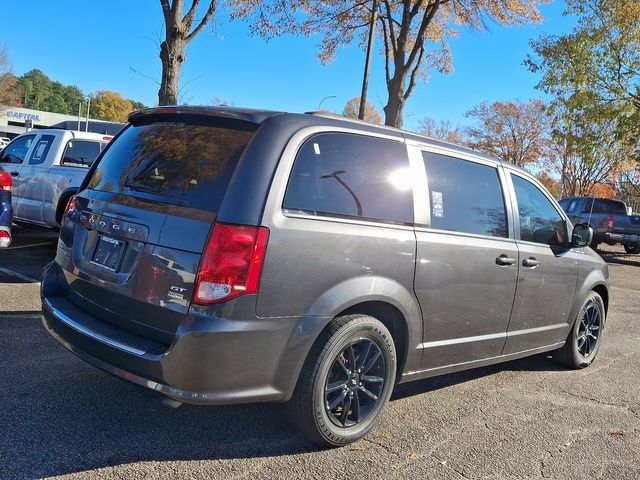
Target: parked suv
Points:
(47, 167)
(225, 255)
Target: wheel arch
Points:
(602, 290)
(382, 298)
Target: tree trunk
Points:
(172, 56)
(395, 103)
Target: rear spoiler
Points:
(245, 114)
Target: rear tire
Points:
(346, 381)
(632, 249)
(585, 337)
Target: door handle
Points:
(15, 174)
(530, 262)
(505, 259)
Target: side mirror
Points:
(582, 235)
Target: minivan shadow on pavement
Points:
(60, 415)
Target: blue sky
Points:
(98, 45)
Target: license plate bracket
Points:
(109, 253)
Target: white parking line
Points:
(29, 246)
(19, 275)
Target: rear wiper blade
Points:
(144, 189)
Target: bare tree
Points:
(443, 130)
(178, 34)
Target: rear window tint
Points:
(81, 153)
(352, 176)
(185, 160)
(602, 205)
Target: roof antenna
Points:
(593, 200)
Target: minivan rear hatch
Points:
(140, 226)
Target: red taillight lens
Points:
(609, 222)
(5, 181)
(5, 238)
(232, 263)
(71, 206)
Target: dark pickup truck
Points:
(609, 219)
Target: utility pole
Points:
(79, 114)
(86, 127)
(365, 79)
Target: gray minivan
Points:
(223, 255)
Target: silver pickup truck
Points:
(47, 167)
(609, 219)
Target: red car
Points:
(6, 213)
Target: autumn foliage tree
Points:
(371, 113)
(414, 33)
(180, 29)
(110, 106)
(9, 94)
(516, 132)
(593, 77)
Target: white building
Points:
(13, 122)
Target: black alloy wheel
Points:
(585, 336)
(589, 330)
(346, 381)
(355, 382)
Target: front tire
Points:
(634, 250)
(585, 337)
(346, 381)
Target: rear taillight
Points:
(609, 222)
(71, 206)
(5, 181)
(5, 239)
(231, 263)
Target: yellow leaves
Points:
(110, 106)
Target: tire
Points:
(585, 337)
(632, 249)
(594, 244)
(319, 403)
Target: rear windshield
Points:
(182, 160)
(81, 153)
(602, 205)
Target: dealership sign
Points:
(23, 116)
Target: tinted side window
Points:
(41, 149)
(17, 150)
(354, 176)
(540, 222)
(80, 153)
(465, 196)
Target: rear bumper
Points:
(625, 238)
(211, 360)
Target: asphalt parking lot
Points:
(60, 417)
